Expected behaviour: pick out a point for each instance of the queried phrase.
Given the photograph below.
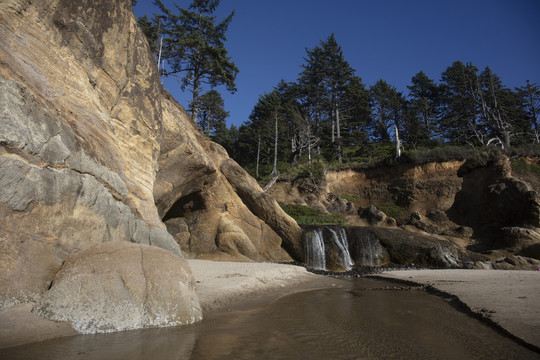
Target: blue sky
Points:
(388, 39)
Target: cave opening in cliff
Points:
(186, 205)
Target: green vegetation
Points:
(522, 166)
(304, 215)
(391, 209)
(192, 42)
(350, 198)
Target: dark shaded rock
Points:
(336, 205)
(516, 238)
(491, 199)
(407, 248)
(372, 215)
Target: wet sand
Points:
(226, 286)
(365, 319)
(508, 298)
(221, 286)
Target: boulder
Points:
(517, 239)
(406, 248)
(121, 286)
(491, 199)
(372, 215)
(438, 223)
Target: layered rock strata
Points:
(94, 154)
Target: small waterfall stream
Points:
(367, 254)
(339, 249)
(339, 237)
(315, 251)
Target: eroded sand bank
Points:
(511, 299)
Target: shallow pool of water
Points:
(366, 319)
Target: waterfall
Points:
(339, 238)
(367, 254)
(314, 245)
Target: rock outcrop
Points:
(476, 205)
(223, 212)
(94, 154)
(97, 291)
(410, 188)
(491, 199)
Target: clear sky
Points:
(388, 39)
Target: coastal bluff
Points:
(106, 185)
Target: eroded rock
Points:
(121, 286)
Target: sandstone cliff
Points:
(485, 213)
(94, 154)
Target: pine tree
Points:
(312, 91)
(529, 97)
(212, 113)
(150, 29)
(459, 120)
(194, 47)
(325, 80)
(424, 106)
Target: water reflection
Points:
(359, 321)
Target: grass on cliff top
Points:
(522, 166)
(304, 215)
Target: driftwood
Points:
(271, 183)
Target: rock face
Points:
(211, 205)
(411, 188)
(122, 286)
(93, 152)
(491, 199)
(476, 206)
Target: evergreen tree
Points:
(424, 107)
(312, 90)
(459, 120)
(150, 29)
(194, 47)
(265, 120)
(529, 98)
(338, 74)
(387, 109)
(228, 138)
(325, 80)
(212, 114)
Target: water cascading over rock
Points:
(315, 250)
(327, 248)
(339, 238)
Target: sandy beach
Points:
(508, 298)
(221, 286)
(224, 286)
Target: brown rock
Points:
(373, 215)
(265, 207)
(492, 199)
(121, 286)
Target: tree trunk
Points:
(333, 117)
(195, 100)
(317, 129)
(208, 124)
(274, 170)
(309, 153)
(338, 135)
(258, 155)
(398, 143)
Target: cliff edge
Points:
(94, 155)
